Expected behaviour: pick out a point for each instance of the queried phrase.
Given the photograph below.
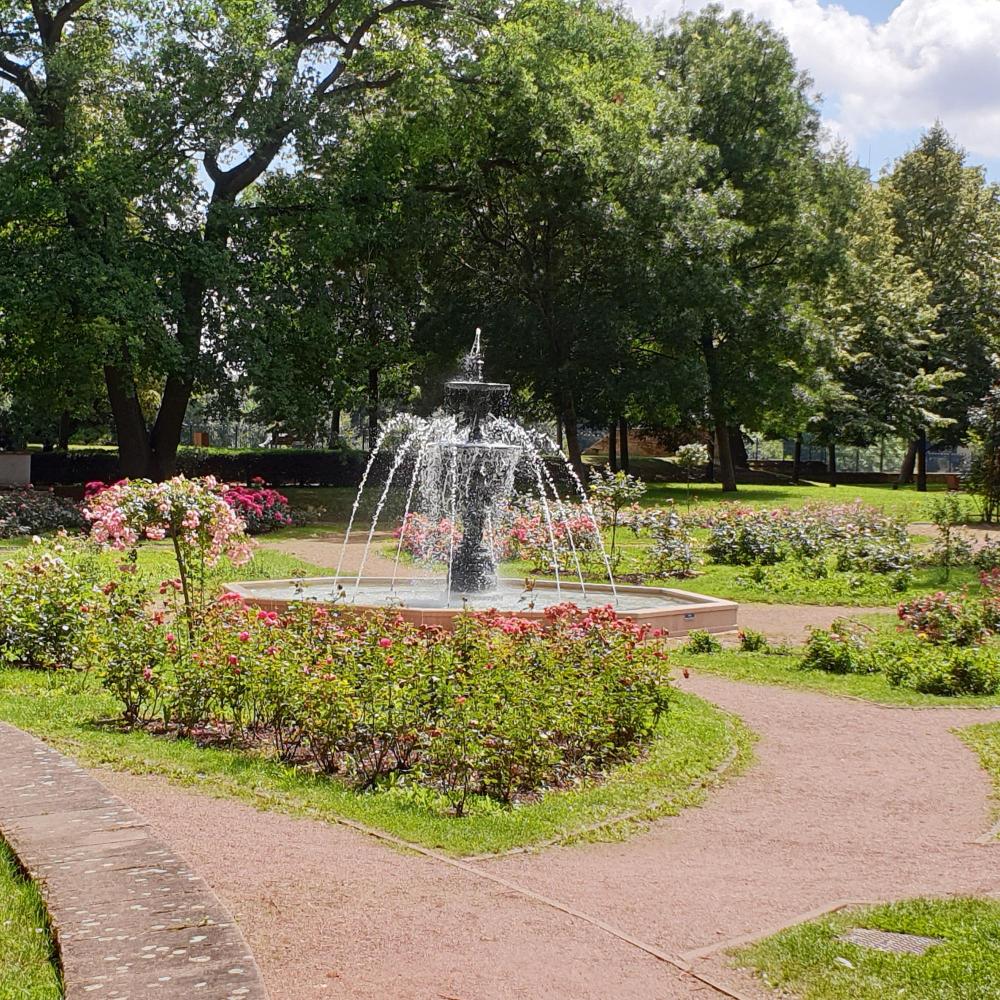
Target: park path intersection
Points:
(846, 801)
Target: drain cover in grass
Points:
(900, 944)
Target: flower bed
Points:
(946, 645)
(861, 538)
(500, 707)
(34, 512)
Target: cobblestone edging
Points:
(131, 920)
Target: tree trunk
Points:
(906, 469)
(573, 452)
(613, 447)
(333, 439)
(738, 448)
(623, 434)
(65, 430)
(922, 460)
(797, 459)
(717, 410)
(373, 403)
(135, 456)
(831, 463)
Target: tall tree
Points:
(227, 88)
(549, 126)
(747, 245)
(947, 223)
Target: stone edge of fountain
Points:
(709, 614)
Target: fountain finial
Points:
(473, 364)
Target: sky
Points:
(886, 69)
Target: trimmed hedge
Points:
(276, 466)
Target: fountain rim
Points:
(698, 611)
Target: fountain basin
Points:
(424, 600)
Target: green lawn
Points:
(784, 670)
(984, 739)
(810, 962)
(904, 502)
(28, 961)
(694, 740)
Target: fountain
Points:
(463, 465)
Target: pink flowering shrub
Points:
(500, 707)
(262, 509)
(425, 539)
(192, 513)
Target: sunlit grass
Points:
(28, 969)
(811, 963)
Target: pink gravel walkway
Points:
(846, 801)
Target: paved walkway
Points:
(132, 920)
(846, 801)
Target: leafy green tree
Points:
(741, 254)
(114, 107)
(947, 221)
(550, 132)
(878, 327)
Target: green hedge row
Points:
(277, 466)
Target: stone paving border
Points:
(131, 920)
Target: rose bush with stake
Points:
(191, 513)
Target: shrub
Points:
(672, 551)
(611, 493)
(700, 641)
(34, 512)
(837, 650)
(752, 641)
(192, 513)
(988, 556)
(944, 670)
(261, 508)
(907, 659)
(954, 619)
(43, 602)
(743, 536)
(948, 512)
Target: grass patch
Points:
(784, 671)
(904, 502)
(984, 739)
(28, 963)
(809, 961)
(694, 740)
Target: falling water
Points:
(464, 464)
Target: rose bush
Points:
(499, 707)
(34, 512)
(192, 513)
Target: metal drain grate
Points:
(898, 944)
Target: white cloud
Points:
(930, 59)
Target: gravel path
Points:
(846, 801)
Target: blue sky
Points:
(886, 69)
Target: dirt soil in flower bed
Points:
(847, 800)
